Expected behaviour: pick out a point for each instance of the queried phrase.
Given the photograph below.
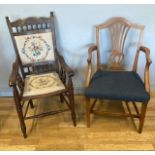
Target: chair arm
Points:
(63, 64)
(89, 60)
(146, 72)
(147, 54)
(13, 76)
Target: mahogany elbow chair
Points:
(39, 70)
(114, 82)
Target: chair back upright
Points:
(34, 42)
(119, 28)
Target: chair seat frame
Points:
(139, 113)
(19, 73)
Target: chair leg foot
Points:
(74, 119)
(142, 117)
(71, 100)
(24, 132)
(22, 125)
(73, 114)
(72, 108)
(21, 118)
(88, 112)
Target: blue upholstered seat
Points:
(117, 85)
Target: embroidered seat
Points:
(39, 70)
(42, 84)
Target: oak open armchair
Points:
(113, 81)
(39, 70)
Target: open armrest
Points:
(89, 60)
(146, 72)
(67, 69)
(90, 50)
(13, 76)
(147, 54)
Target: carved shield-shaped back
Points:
(118, 28)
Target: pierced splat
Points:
(118, 28)
(116, 59)
(102, 84)
(118, 32)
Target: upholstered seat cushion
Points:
(117, 85)
(42, 84)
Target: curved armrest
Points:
(146, 72)
(147, 54)
(13, 76)
(89, 70)
(67, 69)
(90, 50)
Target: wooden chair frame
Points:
(20, 71)
(140, 114)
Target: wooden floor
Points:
(57, 132)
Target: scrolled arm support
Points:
(16, 81)
(13, 76)
(147, 66)
(89, 60)
(147, 54)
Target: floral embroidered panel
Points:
(35, 47)
(42, 84)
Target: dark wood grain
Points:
(33, 25)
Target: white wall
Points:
(75, 31)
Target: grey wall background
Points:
(75, 31)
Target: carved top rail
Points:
(31, 25)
